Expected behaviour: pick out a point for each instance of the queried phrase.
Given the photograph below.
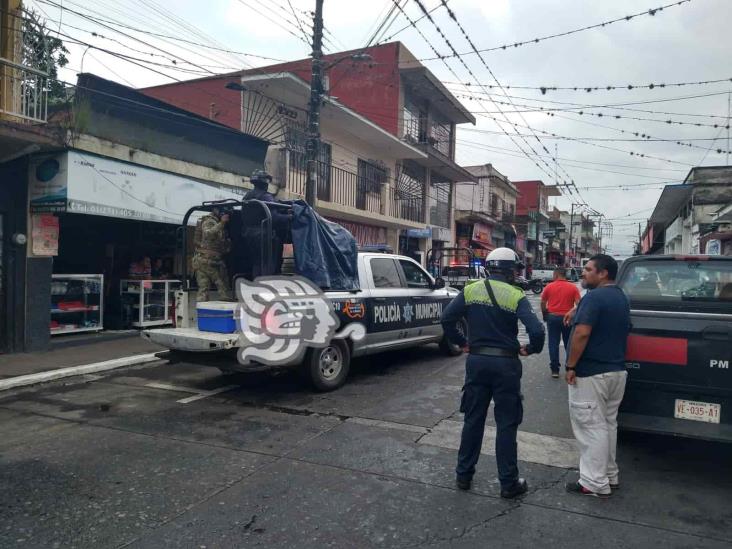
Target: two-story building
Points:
(386, 161)
(532, 213)
(485, 211)
(23, 132)
(688, 217)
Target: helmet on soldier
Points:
(260, 179)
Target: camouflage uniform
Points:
(208, 263)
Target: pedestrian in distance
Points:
(492, 309)
(596, 375)
(558, 298)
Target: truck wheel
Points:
(537, 286)
(327, 368)
(449, 348)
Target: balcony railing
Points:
(406, 206)
(23, 92)
(338, 186)
(23, 83)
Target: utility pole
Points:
(316, 93)
(538, 214)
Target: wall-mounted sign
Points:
(44, 233)
(442, 234)
(714, 247)
(482, 234)
(97, 185)
(420, 233)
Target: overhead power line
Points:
(490, 71)
(159, 35)
(427, 14)
(625, 87)
(551, 111)
(651, 12)
(631, 153)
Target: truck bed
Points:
(192, 339)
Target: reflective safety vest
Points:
(507, 296)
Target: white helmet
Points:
(503, 259)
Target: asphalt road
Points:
(180, 456)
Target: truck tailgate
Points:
(192, 339)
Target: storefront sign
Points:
(714, 247)
(44, 233)
(442, 234)
(482, 234)
(96, 185)
(48, 186)
(420, 233)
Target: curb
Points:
(43, 377)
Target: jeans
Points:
(499, 379)
(556, 328)
(593, 411)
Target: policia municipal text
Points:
(492, 309)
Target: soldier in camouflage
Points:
(212, 243)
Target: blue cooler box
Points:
(217, 316)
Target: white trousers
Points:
(593, 411)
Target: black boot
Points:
(463, 483)
(516, 490)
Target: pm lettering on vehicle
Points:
(722, 364)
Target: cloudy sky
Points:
(686, 43)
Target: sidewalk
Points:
(104, 350)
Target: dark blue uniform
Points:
(253, 236)
(493, 331)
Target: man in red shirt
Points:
(557, 299)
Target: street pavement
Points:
(181, 456)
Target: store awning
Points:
(80, 182)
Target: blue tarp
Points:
(325, 252)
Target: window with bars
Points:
(415, 119)
(372, 176)
(441, 136)
(439, 201)
(409, 192)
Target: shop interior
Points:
(113, 274)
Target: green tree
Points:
(45, 53)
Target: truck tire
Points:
(537, 286)
(327, 368)
(450, 349)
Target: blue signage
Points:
(419, 233)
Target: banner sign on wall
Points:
(44, 233)
(95, 185)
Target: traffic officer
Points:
(492, 309)
(253, 235)
(211, 244)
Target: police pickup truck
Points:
(398, 302)
(679, 355)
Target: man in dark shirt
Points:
(596, 376)
(492, 309)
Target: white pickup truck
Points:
(399, 304)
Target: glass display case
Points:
(76, 303)
(148, 302)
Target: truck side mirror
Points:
(439, 283)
